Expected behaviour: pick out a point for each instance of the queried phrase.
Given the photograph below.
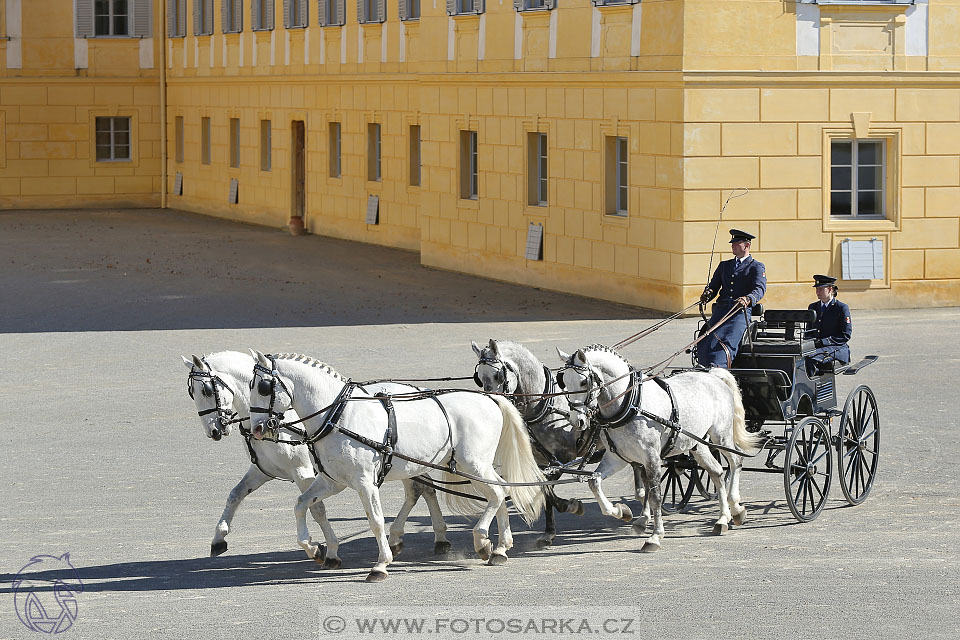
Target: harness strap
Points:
(389, 438)
(630, 407)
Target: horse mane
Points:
(313, 362)
(604, 349)
(528, 365)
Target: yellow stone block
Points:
(642, 232)
(721, 105)
(912, 202)
(942, 263)
(794, 105)
(95, 185)
(796, 172)
(702, 205)
(564, 137)
(603, 257)
(809, 204)
(642, 103)
(931, 171)
(573, 108)
(670, 172)
(626, 260)
(26, 132)
(811, 262)
(669, 104)
(925, 105)
(23, 96)
(583, 252)
(46, 150)
(564, 250)
(68, 168)
(654, 138)
(809, 139)
(583, 135)
(942, 202)
(654, 265)
(113, 96)
(721, 173)
(133, 184)
(779, 266)
(763, 204)
(878, 102)
(927, 233)
(943, 138)
(906, 265)
(701, 139)
(46, 115)
(48, 186)
(791, 235)
(669, 235)
(71, 132)
(759, 139)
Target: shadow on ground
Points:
(164, 269)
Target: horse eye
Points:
(206, 389)
(265, 387)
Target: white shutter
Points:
(519, 5)
(381, 10)
(197, 27)
(271, 13)
(361, 18)
(404, 15)
(341, 11)
(452, 7)
(287, 13)
(255, 14)
(84, 18)
(208, 23)
(142, 22)
(304, 13)
(238, 16)
(322, 12)
(225, 22)
(182, 26)
(480, 6)
(550, 4)
(171, 18)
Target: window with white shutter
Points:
(110, 17)
(371, 11)
(534, 5)
(176, 18)
(466, 7)
(202, 17)
(295, 14)
(231, 16)
(330, 13)
(263, 14)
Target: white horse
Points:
(469, 431)
(219, 384)
(707, 405)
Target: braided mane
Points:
(313, 362)
(606, 349)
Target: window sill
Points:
(859, 225)
(113, 37)
(616, 219)
(537, 210)
(469, 203)
(465, 16)
(296, 26)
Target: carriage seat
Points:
(777, 333)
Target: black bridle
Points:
(595, 388)
(209, 382)
(268, 386)
(500, 369)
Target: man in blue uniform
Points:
(739, 282)
(833, 328)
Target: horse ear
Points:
(476, 349)
(187, 363)
(563, 355)
(580, 356)
(198, 363)
(262, 359)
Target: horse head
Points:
(213, 397)
(271, 395)
(494, 373)
(582, 382)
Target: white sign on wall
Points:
(862, 259)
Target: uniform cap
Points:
(736, 235)
(823, 281)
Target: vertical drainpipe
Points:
(163, 103)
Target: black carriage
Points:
(791, 398)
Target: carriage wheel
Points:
(676, 483)
(858, 449)
(704, 482)
(808, 469)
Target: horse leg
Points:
(504, 535)
(733, 489)
(642, 483)
(370, 497)
(651, 470)
(319, 513)
(252, 480)
(550, 526)
(705, 459)
(609, 466)
(320, 489)
(411, 493)
(481, 532)
(441, 545)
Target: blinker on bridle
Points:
(268, 387)
(588, 373)
(499, 366)
(208, 388)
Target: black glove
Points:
(706, 296)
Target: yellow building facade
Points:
(569, 145)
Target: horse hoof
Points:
(395, 549)
(441, 548)
(543, 543)
(650, 547)
(625, 514)
(575, 507)
(332, 563)
(376, 576)
(720, 529)
(738, 518)
(640, 526)
(320, 555)
(497, 559)
(217, 548)
(485, 550)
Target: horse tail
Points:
(517, 464)
(748, 442)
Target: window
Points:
(176, 18)
(617, 175)
(295, 14)
(536, 5)
(334, 142)
(469, 178)
(857, 178)
(414, 155)
(265, 150)
(331, 13)
(113, 139)
(465, 7)
(234, 142)
(371, 11)
(373, 152)
(111, 18)
(178, 136)
(409, 10)
(537, 169)
(202, 17)
(231, 16)
(263, 11)
(205, 140)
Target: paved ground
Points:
(104, 457)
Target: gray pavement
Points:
(104, 457)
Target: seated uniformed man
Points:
(740, 281)
(833, 327)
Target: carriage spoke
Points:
(814, 484)
(826, 452)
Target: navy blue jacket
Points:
(732, 283)
(833, 329)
